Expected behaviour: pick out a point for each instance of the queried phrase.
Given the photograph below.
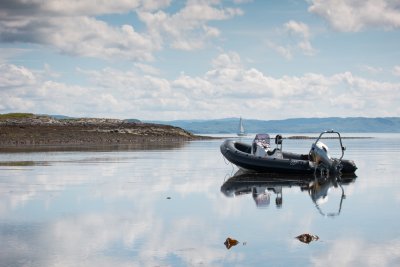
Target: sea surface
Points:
(177, 205)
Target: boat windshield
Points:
(264, 138)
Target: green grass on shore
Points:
(16, 115)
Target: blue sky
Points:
(200, 59)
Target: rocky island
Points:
(30, 130)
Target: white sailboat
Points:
(241, 131)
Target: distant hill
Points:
(59, 117)
(298, 125)
(132, 121)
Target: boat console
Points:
(261, 146)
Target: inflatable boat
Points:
(260, 157)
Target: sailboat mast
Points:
(241, 128)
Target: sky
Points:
(200, 59)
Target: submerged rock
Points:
(307, 238)
(230, 242)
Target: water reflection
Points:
(145, 145)
(318, 190)
(112, 209)
(23, 163)
(264, 186)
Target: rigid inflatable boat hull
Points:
(239, 154)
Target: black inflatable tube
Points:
(239, 154)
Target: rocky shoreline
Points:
(34, 130)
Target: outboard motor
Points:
(319, 154)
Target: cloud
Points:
(359, 253)
(238, 2)
(25, 90)
(354, 16)
(228, 87)
(18, 8)
(284, 51)
(297, 28)
(147, 69)
(229, 60)
(187, 29)
(72, 26)
(300, 35)
(15, 76)
(396, 70)
(69, 27)
(97, 39)
(7, 53)
(302, 31)
(371, 70)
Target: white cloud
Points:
(301, 30)
(187, 29)
(76, 8)
(297, 28)
(371, 70)
(299, 40)
(90, 7)
(396, 70)
(71, 26)
(242, 1)
(8, 53)
(229, 60)
(228, 87)
(284, 51)
(97, 39)
(353, 16)
(307, 48)
(147, 69)
(359, 253)
(150, 5)
(15, 76)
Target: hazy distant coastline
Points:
(296, 125)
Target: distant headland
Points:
(29, 130)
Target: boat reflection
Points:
(263, 185)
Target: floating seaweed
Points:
(230, 242)
(307, 238)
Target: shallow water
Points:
(176, 206)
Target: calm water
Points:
(176, 206)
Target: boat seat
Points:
(271, 152)
(275, 153)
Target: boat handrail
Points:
(340, 140)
